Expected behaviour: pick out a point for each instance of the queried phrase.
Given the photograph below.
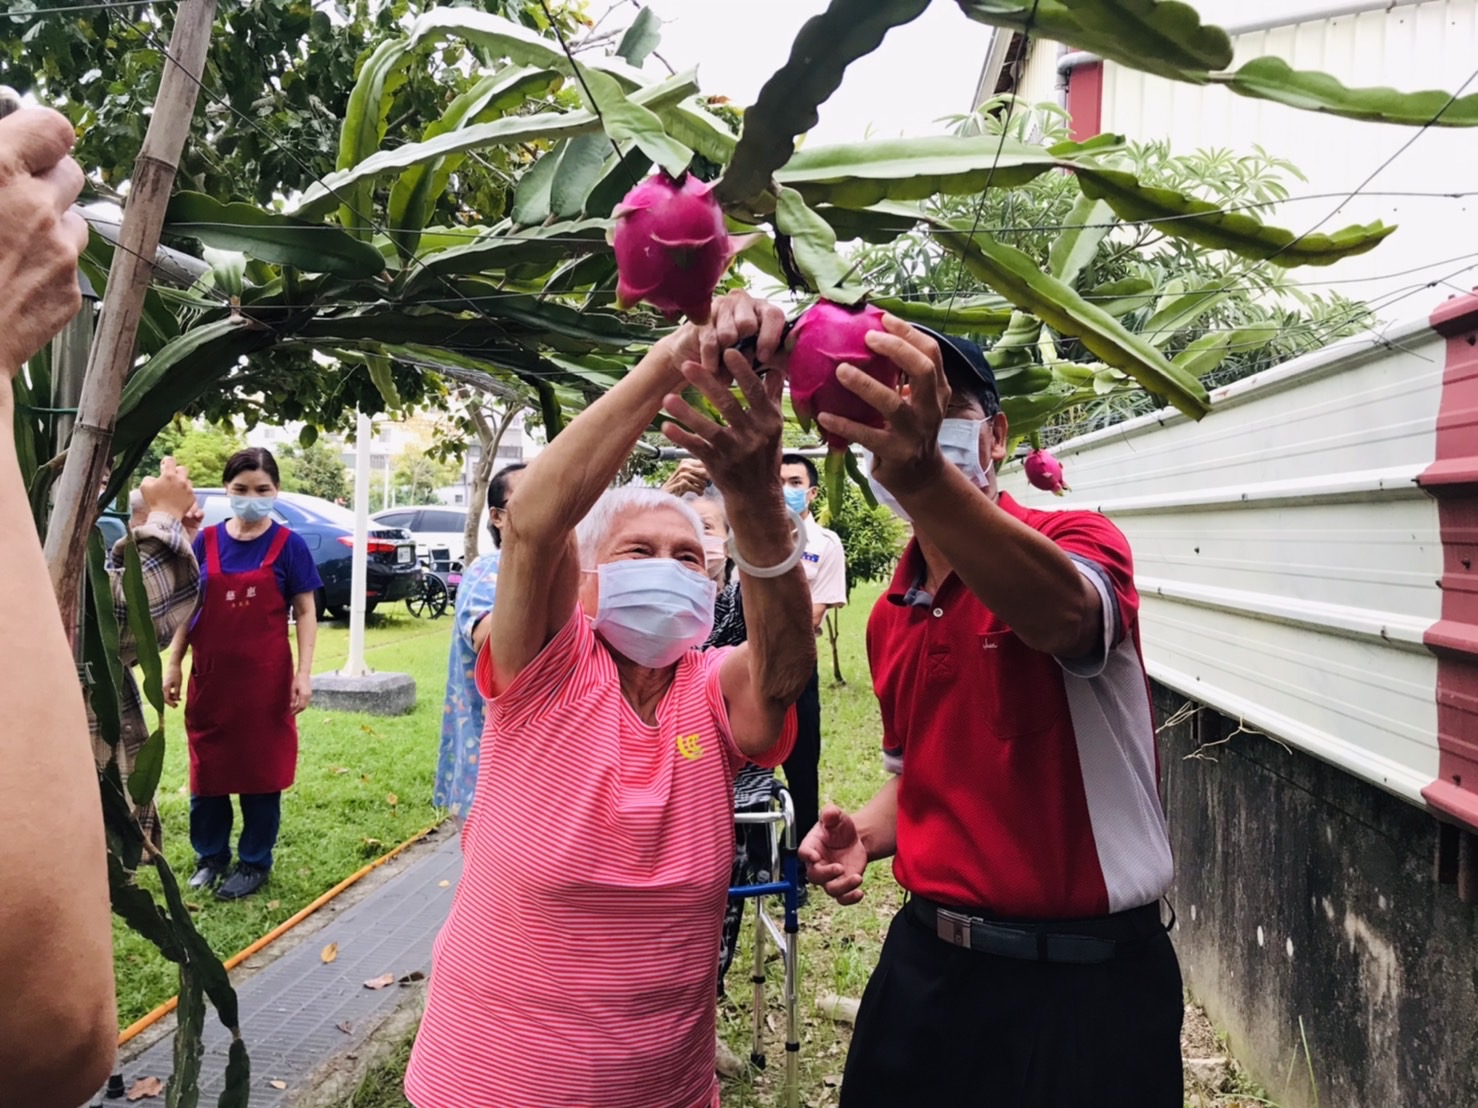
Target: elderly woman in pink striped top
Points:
(578, 966)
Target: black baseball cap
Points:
(963, 358)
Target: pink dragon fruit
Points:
(672, 246)
(1045, 473)
(826, 335)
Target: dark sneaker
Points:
(207, 874)
(244, 881)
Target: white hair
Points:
(136, 501)
(615, 503)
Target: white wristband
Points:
(784, 567)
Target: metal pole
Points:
(359, 573)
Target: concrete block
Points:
(379, 694)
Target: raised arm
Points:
(539, 575)
(762, 678)
(58, 1028)
(1014, 570)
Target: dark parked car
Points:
(392, 571)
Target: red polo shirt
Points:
(1028, 785)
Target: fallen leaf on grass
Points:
(412, 977)
(364, 777)
(391, 799)
(278, 1084)
(444, 884)
(832, 1079)
(190, 904)
(346, 1027)
(339, 771)
(273, 905)
(145, 1087)
(330, 952)
(380, 982)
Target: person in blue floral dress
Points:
(463, 714)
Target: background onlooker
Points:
(826, 572)
(465, 710)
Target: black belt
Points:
(1082, 942)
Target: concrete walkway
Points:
(302, 1018)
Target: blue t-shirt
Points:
(295, 570)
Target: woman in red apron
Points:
(245, 693)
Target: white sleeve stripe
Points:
(1091, 665)
(1096, 573)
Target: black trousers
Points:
(945, 1025)
(802, 768)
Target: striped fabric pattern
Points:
(578, 966)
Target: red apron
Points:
(238, 715)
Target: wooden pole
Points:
(77, 491)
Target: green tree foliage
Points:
(1134, 271)
(872, 538)
(204, 449)
(277, 86)
(418, 475)
(316, 470)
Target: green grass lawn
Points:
(838, 946)
(364, 785)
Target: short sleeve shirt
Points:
(1028, 784)
(295, 569)
(579, 965)
(826, 565)
(463, 715)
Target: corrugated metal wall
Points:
(1432, 45)
(1287, 560)
(1410, 47)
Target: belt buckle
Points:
(952, 927)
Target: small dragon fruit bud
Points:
(1045, 473)
(672, 246)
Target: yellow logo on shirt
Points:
(690, 747)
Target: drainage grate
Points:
(293, 1010)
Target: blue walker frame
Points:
(785, 935)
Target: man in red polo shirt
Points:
(1029, 967)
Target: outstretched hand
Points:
(742, 454)
(736, 316)
(40, 236)
(835, 856)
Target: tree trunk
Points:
(833, 632)
(489, 439)
(90, 451)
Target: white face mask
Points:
(652, 610)
(959, 442)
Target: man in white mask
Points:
(1029, 967)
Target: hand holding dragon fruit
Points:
(672, 246)
(1044, 472)
(825, 336)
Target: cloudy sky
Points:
(924, 70)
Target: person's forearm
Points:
(307, 625)
(58, 1022)
(180, 645)
(1015, 571)
(877, 822)
(568, 476)
(777, 610)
